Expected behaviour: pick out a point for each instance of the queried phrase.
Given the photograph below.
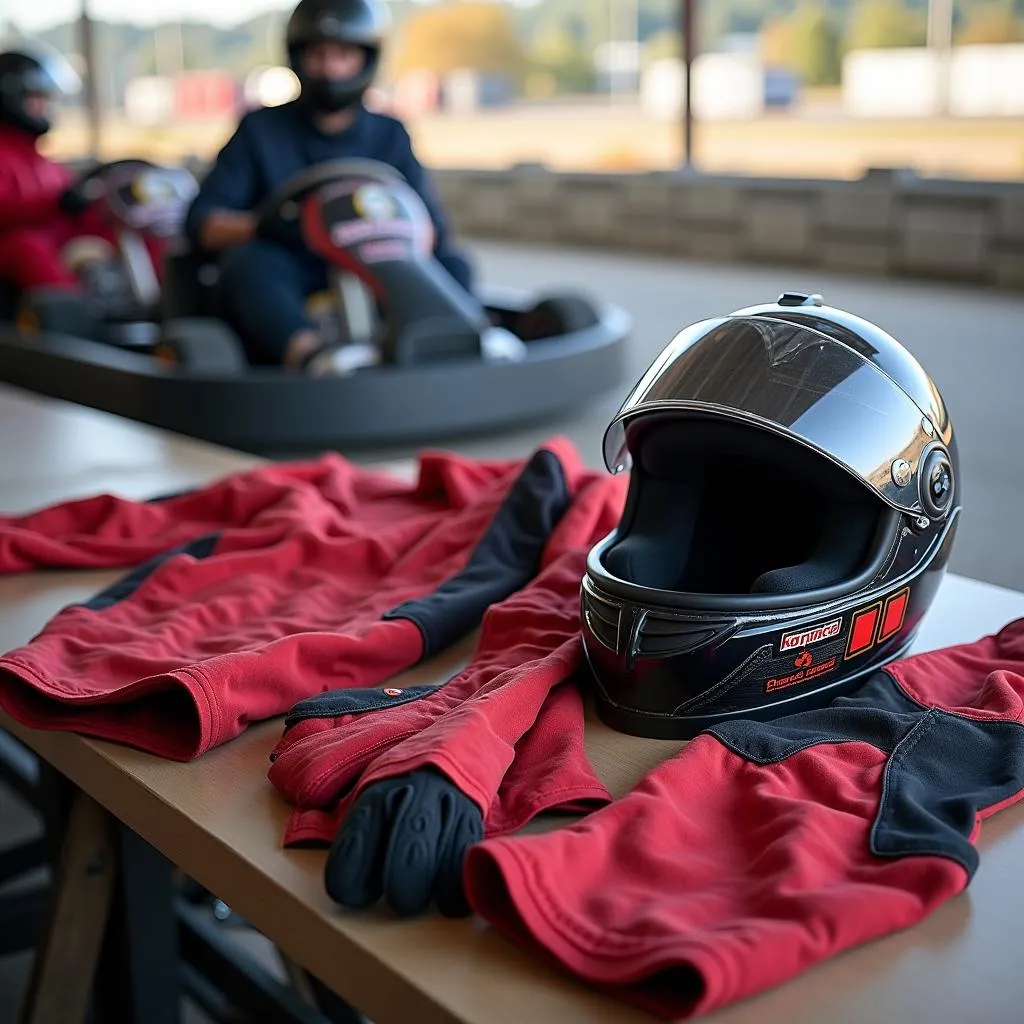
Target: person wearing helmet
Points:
(40, 208)
(793, 500)
(334, 48)
(43, 209)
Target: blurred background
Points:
(780, 87)
(870, 150)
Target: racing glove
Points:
(406, 839)
(75, 199)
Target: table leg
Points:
(138, 981)
(66, 959)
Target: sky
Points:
(33, 15)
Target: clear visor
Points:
(54, 75)
(792, 380)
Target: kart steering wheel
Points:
(140, 195)
(278, 217)
(370, 226)
(93, 182)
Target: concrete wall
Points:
(889, 223)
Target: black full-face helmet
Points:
(793, 500)
(29, 68)
(363, 23)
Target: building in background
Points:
(974, 81)
(726, 87)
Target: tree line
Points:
(549, 47)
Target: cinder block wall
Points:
(888, 223)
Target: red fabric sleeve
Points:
(766, 848)
(285, 601)
(472, 728)
(20, 208)
(713, 880)
(467, 728)
(30, 186)
(19, 213)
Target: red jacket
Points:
(30, 183)
(270, 586)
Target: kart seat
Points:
(189, 289)
(8, 301)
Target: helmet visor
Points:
(793, 380)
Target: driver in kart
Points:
(334, 48)
(43, 210)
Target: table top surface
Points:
(222, 822)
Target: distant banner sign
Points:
(205, 96)
(149, 101)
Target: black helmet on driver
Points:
(793, 501)
(30, 70)
(362, 23)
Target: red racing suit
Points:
(33, 229)
(764, 848)
(274, 585)
(758, 851)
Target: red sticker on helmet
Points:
(895, 613)
(862, 630)
(805, 637)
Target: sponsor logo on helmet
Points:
(806, 637)
(805, 673)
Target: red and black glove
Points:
(405, 839)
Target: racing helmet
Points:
(362, 23)
(793, 499)
(30, 68)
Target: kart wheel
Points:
(200, 346)
(555, 315)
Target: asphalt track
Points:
(971, 340)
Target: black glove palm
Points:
(406, 839)
(74, 199)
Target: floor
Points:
(971, 341)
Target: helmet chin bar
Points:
(333, 95)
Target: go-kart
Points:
(414, 355)
(120, 304)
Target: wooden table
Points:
(221, 821)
